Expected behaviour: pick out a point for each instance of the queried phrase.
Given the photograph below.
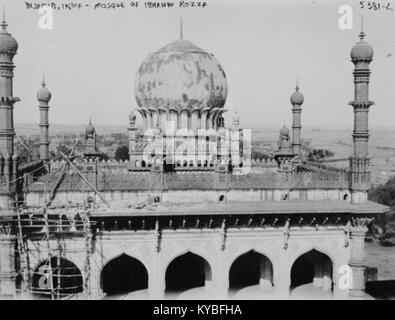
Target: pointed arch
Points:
(186, 271)
(57, 277)
(123, 274)
(251, 268)
(313, 267)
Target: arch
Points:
(313, 267)
(123, 274)
(66, 278)
(184, 118)
(187, 271)
(251, 268)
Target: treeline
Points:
(384, 228)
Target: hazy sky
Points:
(90, 58)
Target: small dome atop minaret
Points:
(297, 96)
(43, 94)
(361, 51)
(8, 43)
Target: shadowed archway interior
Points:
(312, 267)
(186, 272)
(122, 275)
(251, 268)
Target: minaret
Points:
(361, 56)
(296, 101)
(135, 157)
(90, 146)
(8, 161)
(235, 138)
(43, 97)
(8, 49)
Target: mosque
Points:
(190, 214)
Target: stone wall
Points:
(190, 196)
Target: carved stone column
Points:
(357, 256)
(7, 263)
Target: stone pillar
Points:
(156, 278)
(282, 275)
(184, 119)
(203, 119)
(221, 277)
(7, 265)
(96, 292)
(195, 121)
(356, 262)
(174, 117)
(266, 279)
(208, 282)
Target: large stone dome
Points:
(181, 75)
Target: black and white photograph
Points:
(174, 150)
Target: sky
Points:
(90, 58)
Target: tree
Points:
(122, 153)
(319, 154)
(27, 148)
(103, 156)
(385, 194)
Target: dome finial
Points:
(362, 34)
(181, 29)
(297, 84)
(43, 83)
(4, 23)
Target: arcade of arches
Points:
(189, 276)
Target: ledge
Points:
(241, 208)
